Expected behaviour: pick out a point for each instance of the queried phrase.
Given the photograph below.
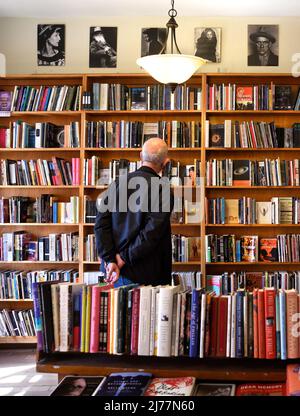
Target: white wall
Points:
(18, 42)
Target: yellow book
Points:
(83, 319)
(88, 319)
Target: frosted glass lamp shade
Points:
(171, 68)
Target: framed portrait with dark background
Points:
(152, 40)
(103, 47)
(51, 45)
(263, 45)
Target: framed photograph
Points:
(103, 47)
(208, 43)
(263, 45)
(51, 45)
(152, 40)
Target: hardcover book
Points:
(283, 97)
(124, 384)
(77, 386)
(177, 386)
(5, 101)
(244, 98)
(249, 248)
(231, 211)
(268, 249)
(241, 173)
(257, 389)
(216, 135)
(138, 98)
(264, 212)
(214, 389)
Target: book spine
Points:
(194, 341)
(270, 323)
(135, 321)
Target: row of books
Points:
(40, 172)
(284, 248)
(132, 134)
(251, 97)
(251, 134)
(267, 172)
(166, 321)
(16, 323)
(152, 97)
(23, 246)
(43, 209)
(16, 284)
(185, 249)
(229, 282)
(94, 174)
(246, 210)
(22, 135)
(145, 384)
(46, 98)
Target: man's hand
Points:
(112, 273)
(120, 261)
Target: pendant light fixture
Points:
(171, 68)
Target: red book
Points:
(261, 389)
(261, 325)
(293, 380)
(90, 166)
(214, 325)
(58, 179)
(222, 326)
(95, 316)
(207, 325)
(74, 171)
(135, 320)
(270, 322)
(255, 322)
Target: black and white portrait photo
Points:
(263, 45)
(51, 45)
(208, 43)
(153, 39)
(103, 47)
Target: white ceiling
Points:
(89, 8)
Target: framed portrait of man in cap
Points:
(51, 45)
(103, 47)
(263, 45)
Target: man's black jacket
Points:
(143, 239)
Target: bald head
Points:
(154, 152)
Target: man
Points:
(263, 44)
(102, 55)
(135, 242)
(153, 45)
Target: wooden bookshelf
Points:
(238, 370)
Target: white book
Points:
(228, 327)
(233, 326)
(227, 133)
(61, 96)
(154, 291)
(202, 325)
(103, 96)
(52, 246)
(65, 297)
(144, 321)
(164, 333)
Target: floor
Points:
(18, 376)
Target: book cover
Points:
(249, 245)
(260, 389)
(5, 101)
(77, 386)
(175, 386)
(241, 173)
(293, 380)
(268, 251)
(124, 384)
(216, 135)
(231, 211)
(264, 212)
(283, 97)
(214, 389)
(138, 98)
(244, 98)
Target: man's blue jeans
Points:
(122, 281)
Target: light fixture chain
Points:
(172, 12)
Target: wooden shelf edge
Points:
(18, 340)
(206, 368)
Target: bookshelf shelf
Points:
(34, 224)
(250, 149)
(148, 113)
(205, 369)
(38, 262)
(18, 340)
(39, 187)
(253, 225)
(254, 112)
(43, 150)
(46, 113)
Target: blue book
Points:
(194, 338)
(37, 316)
(239, 324)
(238, 250)
(55, 212)
(282, 307)
(124, 384)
